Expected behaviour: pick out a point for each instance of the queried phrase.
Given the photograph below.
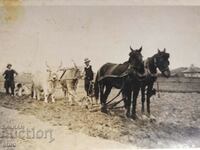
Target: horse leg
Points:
(107, 92)
(101, 93)
(143, 98)
(101, 88)
(135, 95)
(127, 102)
(149, 93)
(104, 97)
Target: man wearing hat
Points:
(88, 75)
(9, 75)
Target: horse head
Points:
(161, 60)
(136, 59)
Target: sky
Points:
(31, 35)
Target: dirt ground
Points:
(177, 123)
(58, 137)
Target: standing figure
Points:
(9, 76)
(89, 75)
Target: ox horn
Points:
(47, 65)
(60, 65)
(74, 63)
(158, 50)
(164, 50)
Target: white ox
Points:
(46, 83)
(69, 82)
(22, 89)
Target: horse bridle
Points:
(155, 63)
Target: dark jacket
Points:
(9, 75)
(89, 73)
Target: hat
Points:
(86, 60)
(8, 65)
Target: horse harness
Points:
(130, 71)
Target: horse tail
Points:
(96, 86)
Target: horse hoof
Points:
(127, 115)
(144, 117)
(104, 110)
(152, 118)
(134, 117)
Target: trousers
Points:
(9, 84)
(88, 87)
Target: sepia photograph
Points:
(99, 74)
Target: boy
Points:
(9, 75)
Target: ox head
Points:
(74, 72)
(53, 72)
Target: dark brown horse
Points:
(119, 76)
(160, 61)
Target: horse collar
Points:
(131, 66)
